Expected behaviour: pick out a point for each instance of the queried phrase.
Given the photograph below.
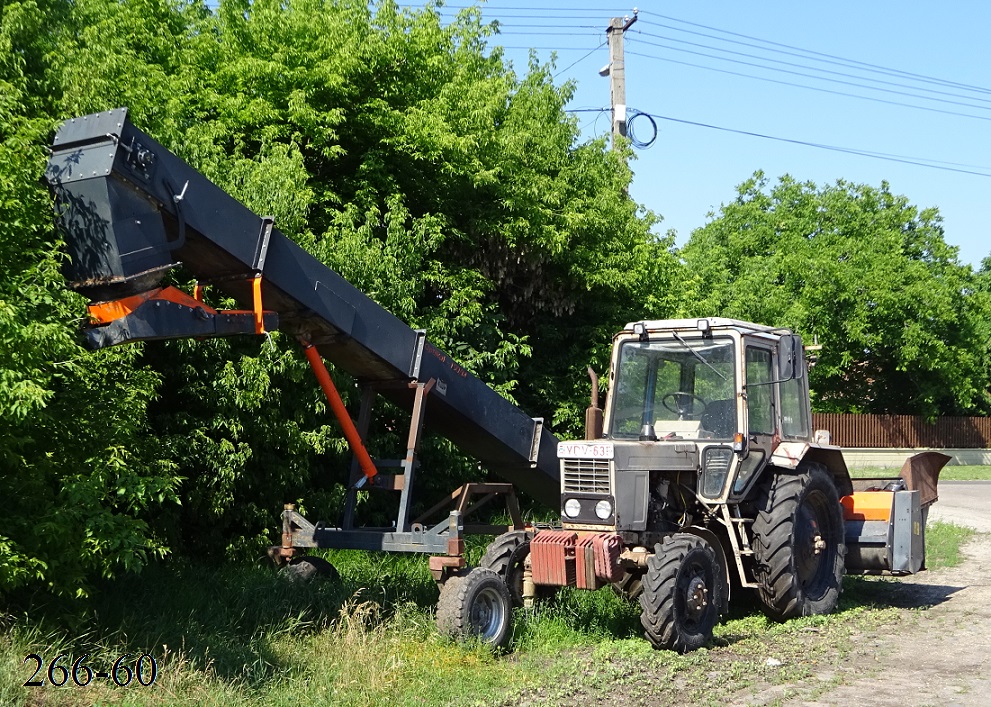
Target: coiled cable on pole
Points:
(631, 134)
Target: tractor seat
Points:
(718, 418)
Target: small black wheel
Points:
(682, 404)
(683, 590)
(307, 567)
(799, 544)
(476, 604)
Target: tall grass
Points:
(943, 543)
(236, 636)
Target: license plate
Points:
(584, 450)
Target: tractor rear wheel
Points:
(683, 590)
(798, 543)
(476, 604)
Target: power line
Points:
(594, 121)
(921, 77)
(518, 12)
(577, 61)
(814, 68)
(810, 76)
(812, 88)
(812, 55)
(917, 161)
(598, 11)
(554, 25)
(546, 33)
(548, 49)
(562, 21)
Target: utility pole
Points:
(616, 70)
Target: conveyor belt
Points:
(130, 211)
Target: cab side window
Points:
(760, 405)
(793, 419)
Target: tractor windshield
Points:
(678, 388)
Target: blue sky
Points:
(939, 53)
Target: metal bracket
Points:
(444, 538)
(264, 236)
(461, 497)
(537, 432)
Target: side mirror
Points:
(790, 363)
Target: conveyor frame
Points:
(131, 211)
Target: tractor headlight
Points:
(603, 509)
(572, 508)
(715, 468)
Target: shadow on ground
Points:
(886, 591)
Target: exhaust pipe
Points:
(593, 413)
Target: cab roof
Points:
(713, 323)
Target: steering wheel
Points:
(682, 404)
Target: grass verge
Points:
(949, 473)
(943, 543)
(248, 636)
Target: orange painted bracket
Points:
(106, 312)
(256, 299)
(868, 505)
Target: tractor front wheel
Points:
(682, 592)
(505, 556)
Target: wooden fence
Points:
(886, 431)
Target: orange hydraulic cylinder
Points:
(340, 412)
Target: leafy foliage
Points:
(869, 276)
(79, 467)
(410, 157)
(403, 152)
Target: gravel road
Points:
(938, 654)
(964, 503)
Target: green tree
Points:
(902, 323)
(78, 468)
(402, 151)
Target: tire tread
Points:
(773, 533)
(659, 588)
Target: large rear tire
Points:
(683, 590)
(476, 604)
(799, 543)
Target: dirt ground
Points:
(935, 651)
(938, 656)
